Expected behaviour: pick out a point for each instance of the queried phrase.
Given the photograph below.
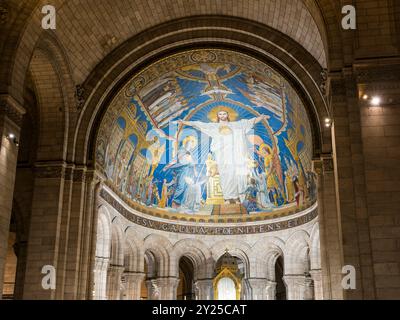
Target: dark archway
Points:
(280, 285)
(186, 277)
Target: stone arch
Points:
(103, 240)
(134, 252)
(315, 248)
(271, 248)
(53, 87)
(198, 253)
(297, 254)
(103, 253)
(23, 33)
(117, 244)
(237, 248)
(161, 248)
(152, 264)
(298, 67)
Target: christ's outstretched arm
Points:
(262, 117)
(193, 124)
(201, 126)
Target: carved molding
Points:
(69, 171)
(327, 163)
(210, 229)
(11, 109)
(79, 96)
(50, 172)
(79, 175)
(324, 82)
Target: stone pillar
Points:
(162, 288)
(316, 276)
(114, 275)
(168, 288)
(10, 123)
(100, 279)
(88, 262)
(153, 292)
(258, 288)
(308, 293)
(295, 286)
(204, 289)
(74, 234)
(133, 285)
(329, 228)
(20, 249)
(271, 290)
(46, 243)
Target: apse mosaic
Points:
(208, 132)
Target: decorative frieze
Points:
(208, 230)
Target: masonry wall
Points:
(381, 145)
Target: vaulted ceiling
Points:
(89, 30)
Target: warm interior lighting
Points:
(376, 101)
(13, 138)
(365, 97)
(328, 122)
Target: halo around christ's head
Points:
(213, 114)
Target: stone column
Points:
(114, 275)
(10, 123)
(295, 286)
(329, 228)
(316, 276)
(87, 267)
(74, 233)
(168, 288)
(162, 288)
(259, 289)
(46, 241)
(152, 290)
(20, 249)
(134, 285)
(271, 290)
(308, 293)
(204, 289)
(100, 279)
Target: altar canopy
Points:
(226, 289)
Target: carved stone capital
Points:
(50, 171)
(79, 175)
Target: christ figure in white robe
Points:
(230, 148)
